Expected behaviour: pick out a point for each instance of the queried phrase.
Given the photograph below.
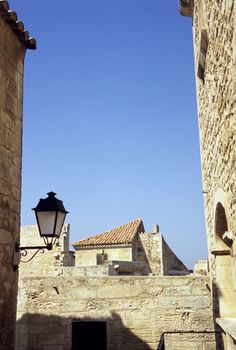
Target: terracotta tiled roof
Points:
(17, 26)
(122, 235)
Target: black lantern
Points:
(50, 215)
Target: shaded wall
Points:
(171, 263)
(12, 53)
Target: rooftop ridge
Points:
(122, 234)
(17, 27)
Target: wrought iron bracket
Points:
(22, 251)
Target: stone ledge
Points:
(228, 325)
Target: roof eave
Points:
(186, 7)
(17, 27)
(102, 246)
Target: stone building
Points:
(129, 250)
(124, 250)
(214, 37)
(14, 41)
(119, 293)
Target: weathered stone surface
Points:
(12, 53)
(215, 22)
(50, 262)
(134, 320)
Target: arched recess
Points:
(224, 264)
(223, 241)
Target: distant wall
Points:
(201, 267)
(12, 53)
(171, 262)
(149, 252)
(136, 309)
(50, 262)
(88, 257)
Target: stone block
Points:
(110, 292)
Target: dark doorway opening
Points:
(89, 335)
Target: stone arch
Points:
(222, 219)
(221, 228)
(224, 280)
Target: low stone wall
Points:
(90, 271)
(137, 310)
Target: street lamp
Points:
(50, 215)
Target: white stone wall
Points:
(136, 309)
(88, 257)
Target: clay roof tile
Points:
(17, 26)
(122, 235)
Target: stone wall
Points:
(88, 257)
(201, 267)
(136, 311)
(217, 111)
(214, 36)
(12, 53)
(50, 262)
(172, 265)
(149, 252)
(217, 124)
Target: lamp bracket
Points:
(19, 248)
(22, 251)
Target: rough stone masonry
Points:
(136, 310)
(214, 37)
(13, 43)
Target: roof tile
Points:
(122, 235)
(17, 26)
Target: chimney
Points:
(156, 229)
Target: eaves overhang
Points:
(17, 27)
(186, 7)
(102, 246)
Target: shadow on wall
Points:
(216, 314)
(38, 332)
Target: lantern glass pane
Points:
(60, 221)
(46, 222)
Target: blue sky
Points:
(110, 120)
